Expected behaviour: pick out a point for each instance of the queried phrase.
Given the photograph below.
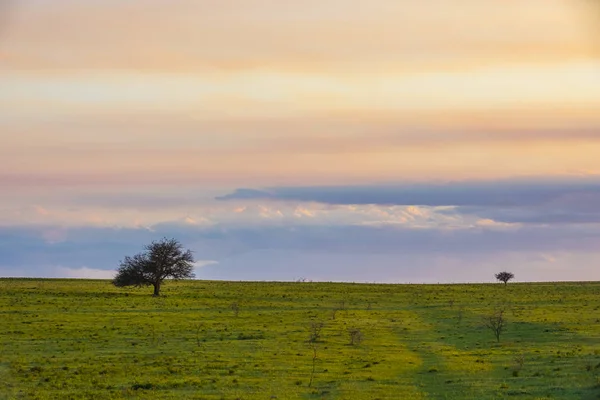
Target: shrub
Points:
(355, 336)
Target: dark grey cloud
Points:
(575, 207)
(506, 193)
(532, 215)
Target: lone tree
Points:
(504, 276)
(165, 258)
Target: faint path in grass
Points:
(376, 368)
(438, 375)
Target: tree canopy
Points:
(162, 259)
(504, 276)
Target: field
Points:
(84, 339)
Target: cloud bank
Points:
(567, 192)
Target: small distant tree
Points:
(496, 323)
(504, 276)
(162, 259)
(355, 336)
(315, 329)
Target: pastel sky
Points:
(381, 140)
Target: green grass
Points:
(83, 339)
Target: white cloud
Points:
(199, 265)
(84, 273)
(203, 263)
(491, 224)
(248, 213)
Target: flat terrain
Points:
(83, 339)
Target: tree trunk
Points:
(156, 289)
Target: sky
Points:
(383, 141)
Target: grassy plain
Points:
(84, 339)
